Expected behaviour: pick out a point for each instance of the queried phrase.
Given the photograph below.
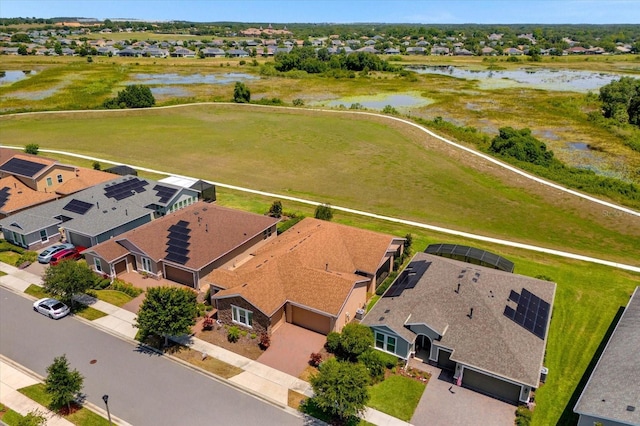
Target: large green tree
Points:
(621, 100)
(68, 278)
(241, 93)
(62, 384)
(341, 388)
(521, 145)
(167, 311)
(133, 96)
(324, 212)
(354, 340)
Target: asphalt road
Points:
(143, 388)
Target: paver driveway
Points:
(444, 403)
(291, 347)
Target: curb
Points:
(88, 405)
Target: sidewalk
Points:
(257, 378)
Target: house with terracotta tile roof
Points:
(16, 196)
(485, 325)
(315, 275)
(185, 245)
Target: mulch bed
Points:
(245, 346)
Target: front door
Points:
(423, 347)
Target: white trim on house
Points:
(241, 316)
(385, 342)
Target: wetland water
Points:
(535, 78)
(10, 77)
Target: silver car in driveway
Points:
(46, 254)
(52, 308)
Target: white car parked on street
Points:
(52, 308)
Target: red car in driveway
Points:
(68, 254)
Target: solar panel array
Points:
(408, 278)
(471, 254)
(164, 192)
(77, 206)
(4, 195)
(126, 189)
(22, 167)
(178, 243)
(532, 312)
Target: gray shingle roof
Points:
(489, 340)
(614, 384)
(105, 214)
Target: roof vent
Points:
(631, 408)
(470, 314)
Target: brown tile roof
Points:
(21, 196)
(489, 340)
(312, 264)
(215, 231)
(84, 179)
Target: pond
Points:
(536, 78)
(378, 102)
(174, 78)
(169, 91)
(9, 77)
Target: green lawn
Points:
(9, 257)
(86, 312)
(9, 416)
(113, 297)
(366, 163)
(397, 396)
(82, 417)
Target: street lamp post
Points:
(105, 398)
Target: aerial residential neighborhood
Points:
(304, 214)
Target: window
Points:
(385, 342)
(43, 235)
(242, 316)
(59, 178)
(49, 181)
(97, 264)
(146, 264)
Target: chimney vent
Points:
(326, 267)
(470, 314)
(206, 227)
(458, 289)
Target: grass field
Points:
(342, 159)
(397, 396)
(113, 297)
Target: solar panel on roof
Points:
(164, 192)
(176, 258)
(178, 242)
(77, 206)
(125, 189)
(4, 195)
(532, 313)
(471, 255)
(22, 167)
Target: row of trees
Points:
(621, 100)
(307, 59)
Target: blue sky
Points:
(338, 11)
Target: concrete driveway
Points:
(444, 403)
(291, 348)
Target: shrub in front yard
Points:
(315, 359)
(375, 364)
(233, 334)
(265, 341)
(523, 416)
(126, 288)
(26, 256)
(333, 342)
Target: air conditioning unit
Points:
(543, 374)
(360, 314)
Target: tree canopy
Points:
(133, 96)
(324, 212)
(241, 93)
(67, 279)
(621, 100)
(341, 388)
(167, 311)
(61, 383)
(521, 145)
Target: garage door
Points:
(311, 320)
(443, 360)
(179, 275)
(120, 267)
(491, 386)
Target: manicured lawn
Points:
(36, 291)
(213, 365)
(88, 313)
(397, 396)
(82, 417)
(85, 312)
(113, 297)
(8, 416)
(9, 257)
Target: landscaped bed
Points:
(212, 365)
(245, 346)
(79, 415)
